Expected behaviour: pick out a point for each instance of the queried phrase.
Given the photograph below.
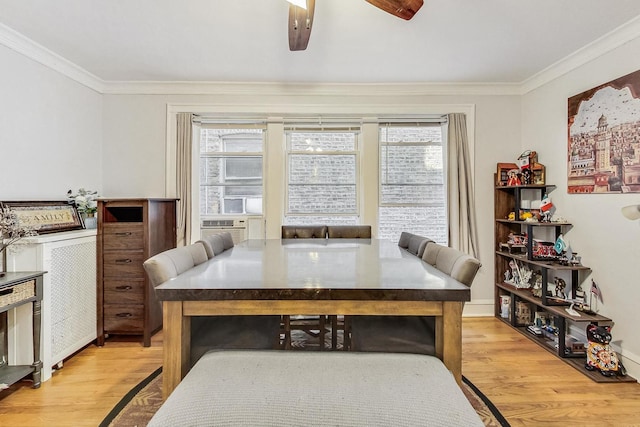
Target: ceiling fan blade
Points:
(404, 9)
(300, 23)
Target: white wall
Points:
(608, 243)
(50, 132)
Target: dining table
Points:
(351, 277)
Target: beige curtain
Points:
(183, 177)
(463, 234)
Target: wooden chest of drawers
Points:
(129, 232)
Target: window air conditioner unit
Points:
(237, 227)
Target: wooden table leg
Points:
(177, 346)
(452, 338)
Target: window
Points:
(231, 171)
(412, 181)
(322, 175)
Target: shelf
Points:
(534, 223)
(508, 201)
(558, 310)
(526, 187)
(13, 374)
(550, 264)
(575, 361)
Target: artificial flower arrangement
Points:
(10, 228)
(86, 201)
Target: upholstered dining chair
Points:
(344, 322)
(213, 244)
(304, 231)
(227, 240)
(311, 325)
(349, 231)
(212, 332)
(413, 334)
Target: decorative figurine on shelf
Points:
(536, 290)
(561, 285)
(513, 177)
(546, 208)
(600, 355)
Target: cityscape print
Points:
(604, 138)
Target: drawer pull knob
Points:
(6, 292)
(123, 261)
(124, 234)
(124, 315)
(124, 288)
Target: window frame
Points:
(355, 152)
(225, 156)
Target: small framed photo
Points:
(47, 217)
(502, 174)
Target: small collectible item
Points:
(513, 177)
(600, 355)
(560, 287)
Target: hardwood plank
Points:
(528, 385)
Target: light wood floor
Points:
(527, 384)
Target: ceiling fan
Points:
(301, 17)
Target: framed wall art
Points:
(47, 217)
(604, 138)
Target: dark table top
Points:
(314, 269)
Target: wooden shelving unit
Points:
(508, 199)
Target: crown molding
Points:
(308, 89)
(610, 41)
(19, 43)
(32, 50)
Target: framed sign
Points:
(47, 217)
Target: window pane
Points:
(313, 169)
(322, 199)
(231, 140)
(426, 221)
(216, 200)
(321, 168)
(396, 134)
(322, 141)
(413, 194)
(411, 164)
(230, 170)
(231, 184)
(412, 190)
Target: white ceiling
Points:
(448, 41)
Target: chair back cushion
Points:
(206, 242)
(455, 263)
(198, 253)
(431, 253)
(414, 244)
(403, 242)
(160, 268)
(349, 231)
(227, 240)
(217, 244)
(465, 268)
(304, 231)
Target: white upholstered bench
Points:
(276, 388)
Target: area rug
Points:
(137, 407)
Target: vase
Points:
(90, 220)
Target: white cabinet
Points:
(69, 296)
